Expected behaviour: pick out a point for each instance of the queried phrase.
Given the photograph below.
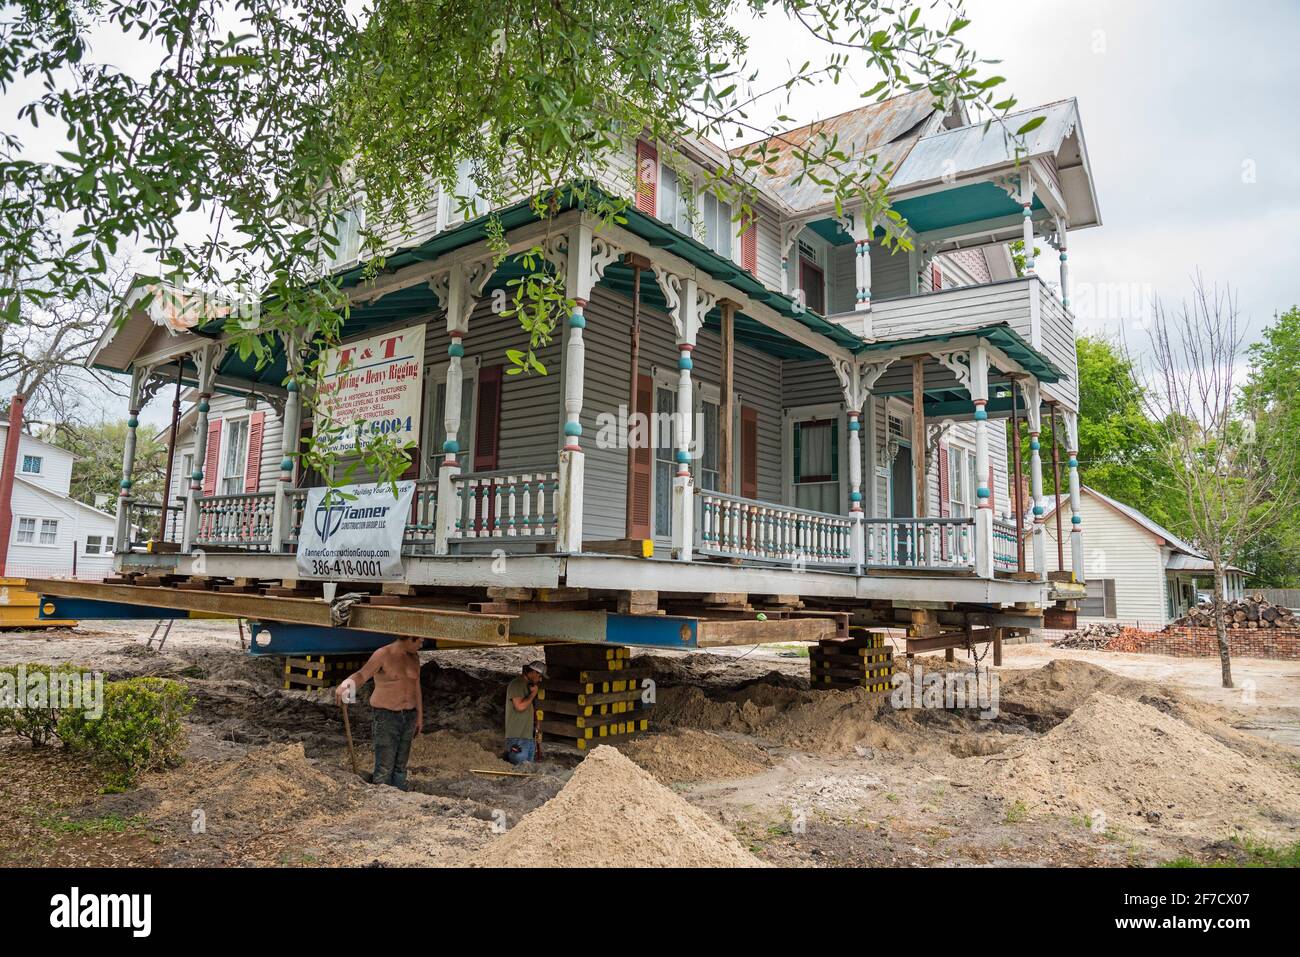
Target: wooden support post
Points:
(997, 646)
(726, 404)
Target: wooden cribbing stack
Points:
(591, 696)
(863, 660)
(318, 671)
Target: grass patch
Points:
(1017, 813)
(109, 824)
(1247, 852)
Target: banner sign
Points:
(355, 534)
(373, 387)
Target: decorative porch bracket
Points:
(458, 290)
(688, 304)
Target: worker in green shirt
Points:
(521, 747)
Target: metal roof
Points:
(887, 130)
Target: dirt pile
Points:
(614, 814)
(689, 755)
(1143, 769)
(440, 753)
(1053, 692)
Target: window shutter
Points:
(1109, 599)
(993, 492)
(647, 178)
(638, 524)
(487, 431)
(212, 455)
(936, 276)
(748, 452)
(945, 491)
(253, 460)
(749, 244)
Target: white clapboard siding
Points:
(1114, 547)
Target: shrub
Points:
(31, 715)
(141, 728)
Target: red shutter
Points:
(253, 460)
(211, 457)
(993, 492)
(638, 524)
(936, 276)
(647, 178)
(749, 244)
(487, 429)
(748, 452)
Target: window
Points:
(232, 475)
(816, 463)
(661, 435)
(1100, 602)
(49, 531)
(673, 209)
(466, 202)
(961, 481)
(26, 531)
(464, 431)
(99, 544)
(812, 281)
(32, 464)
(707, 444)
(718, 226)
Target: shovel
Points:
(347, 728)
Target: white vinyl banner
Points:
(355, 534)
(373, 387)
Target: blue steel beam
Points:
(89, 609)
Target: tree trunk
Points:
(1220, 625)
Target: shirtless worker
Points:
(521, 746)
(397, 704)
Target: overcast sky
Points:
(1189, 116)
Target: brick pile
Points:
(1183, 642)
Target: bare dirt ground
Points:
(1094, 759)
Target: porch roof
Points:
(999, 335)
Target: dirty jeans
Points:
(393, 732)
(526, 753)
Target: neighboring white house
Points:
(1136, 570)
(52, 533)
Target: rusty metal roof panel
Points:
(887, 130)
(966, 149)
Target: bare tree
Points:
(1222, 450)
(43, 355)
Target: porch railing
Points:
(236, 521)
(735, 527)
(919, 543)
(1004, 547)
(143, 519)
(508, 504)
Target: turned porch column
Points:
(979, 391)
(206, 362)
(282, 514)
(1076, 517)
(1027, 207)
(122, 543)
(1033, 414)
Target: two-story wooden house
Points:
(826, 415)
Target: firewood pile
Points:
(1091, 637)
(1251, 612)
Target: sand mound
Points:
(1055, 690)
(613, 814)
(440, 752)
(1147, 769)
(690, 755)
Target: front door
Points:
(900, 503)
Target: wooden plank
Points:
(714, 634)
(418, 622)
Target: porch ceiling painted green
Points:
(971, 203)
(999, 335)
